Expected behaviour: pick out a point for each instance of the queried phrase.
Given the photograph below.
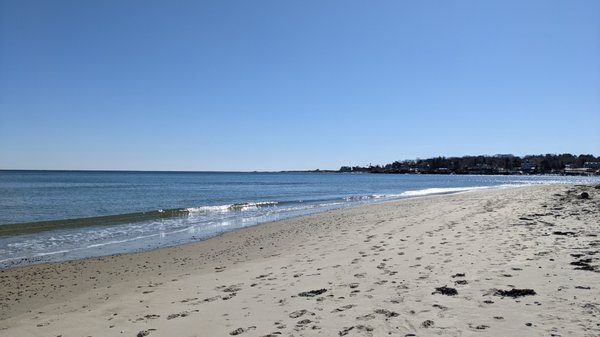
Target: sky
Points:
(293, 85)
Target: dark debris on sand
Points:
(312, 293)
(568, 233)
(237, 331)
(514, 293)
(583, 264)
(387, 313)
(427, 324)
(445, 291)
(584, 195)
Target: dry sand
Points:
(365, 271)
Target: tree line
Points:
(565, 163)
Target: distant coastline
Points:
(501, 164)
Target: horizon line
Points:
(289, 170)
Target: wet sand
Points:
(511, 262)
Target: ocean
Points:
(63, 215)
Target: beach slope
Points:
(500, 262)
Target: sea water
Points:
(61, 215)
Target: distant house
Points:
(594, 165)
(421, 167)
(527, 166)
(481, 169)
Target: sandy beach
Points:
(503, 262)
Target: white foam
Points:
(52, 253)
(231, 207)
(433, 191)
(206, 209)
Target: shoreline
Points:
(378, 262)
(138, 217)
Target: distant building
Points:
(481, 169)
(594, 165)
(527, 166)
(423, 167)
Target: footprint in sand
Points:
(181, 314)
(362, 328)
(366, 317)
(298, 313)
(387, 313)
(240, 331)
(343, 308)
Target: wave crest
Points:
(244, 206)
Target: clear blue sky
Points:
(276, 85)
